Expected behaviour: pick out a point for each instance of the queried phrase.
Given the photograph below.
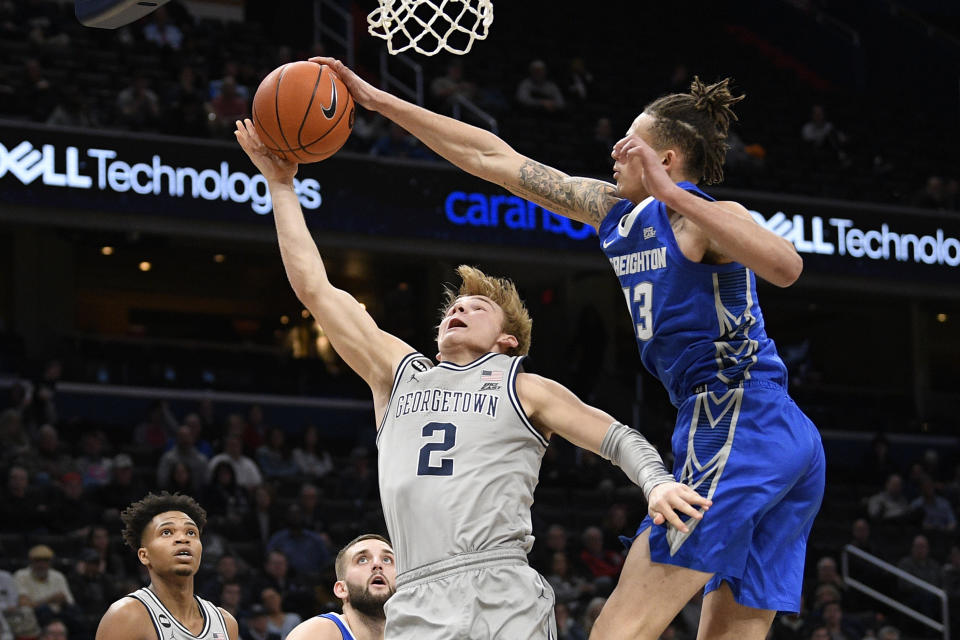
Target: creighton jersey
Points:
(695, 323)
(458, 460)
(169, 628)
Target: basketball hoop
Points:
(430, 26)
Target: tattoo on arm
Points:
(582, 199)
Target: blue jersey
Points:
(695, 323)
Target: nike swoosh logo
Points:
(329, 112)
(607, 243)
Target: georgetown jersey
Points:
(458, 460)
(169, 628)
(695, 323)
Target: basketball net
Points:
(429, 26)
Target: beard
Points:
(369, 604)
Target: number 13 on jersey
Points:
(640, 303)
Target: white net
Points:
(431, 26)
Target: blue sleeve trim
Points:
(336, 620)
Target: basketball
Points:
(303, 112)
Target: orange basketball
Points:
(303, 112)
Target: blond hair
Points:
(516, 318)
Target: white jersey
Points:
(169, 628)
(341, 621)
(458, 460)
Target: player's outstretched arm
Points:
(126, 619)
(372, 353)
(555, 409)
(485, 155)
(729, 229)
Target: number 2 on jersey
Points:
(643, 315)
(445, 468)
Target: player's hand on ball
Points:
(667, 499)
(361, 90)
(273, 168)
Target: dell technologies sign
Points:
(842, 237)
(103, 169)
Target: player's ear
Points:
(669, 159)
(507, 342)
(340, 590)
(143, 556)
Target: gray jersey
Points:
(169, 628)
(458, 460)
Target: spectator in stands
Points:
(278, 621)
(226, 107)
(309, 547)
(603, 564)
(94, 589)
(153, 432)
(615, 526)
(790, 626)
(890, 504)
(231, 69)
(567, 586)
(567, 626)
(933, 194)
(109, 561)
(37, 95)
(21, 509)
(246, 470)
(124, 488)
(920, 565)
(180, 480)
(227, 503)
(450, 87)
(274, 459)
(55, 630)
(44, 588)
(820, 633)
(888, 632)
(15, 613)
(877, 465)
(860, 536)
(821, 134)
(312, 461)
(185, 453)
(838, 625)
(827, 573)
(231, 597)
(195, 423)
(161, 31)
(75, 108)
(579, 83)
(936, 512)
(277, 575)
(73, 511)
(537, 93)
(358, 482)
(595, 153)
(49, 459)
(263, 518)
(255, 626)
(184, 105)
(95, 467)
(227, 572)
(554, 541)
(14, 442)
(138, 107)
(255, 428)
(309, 501)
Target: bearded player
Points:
(366, 578)
(164, 531)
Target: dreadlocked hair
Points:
(698, 123)
(138, 515)
(516, 319)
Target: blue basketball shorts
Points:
(753, 452)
